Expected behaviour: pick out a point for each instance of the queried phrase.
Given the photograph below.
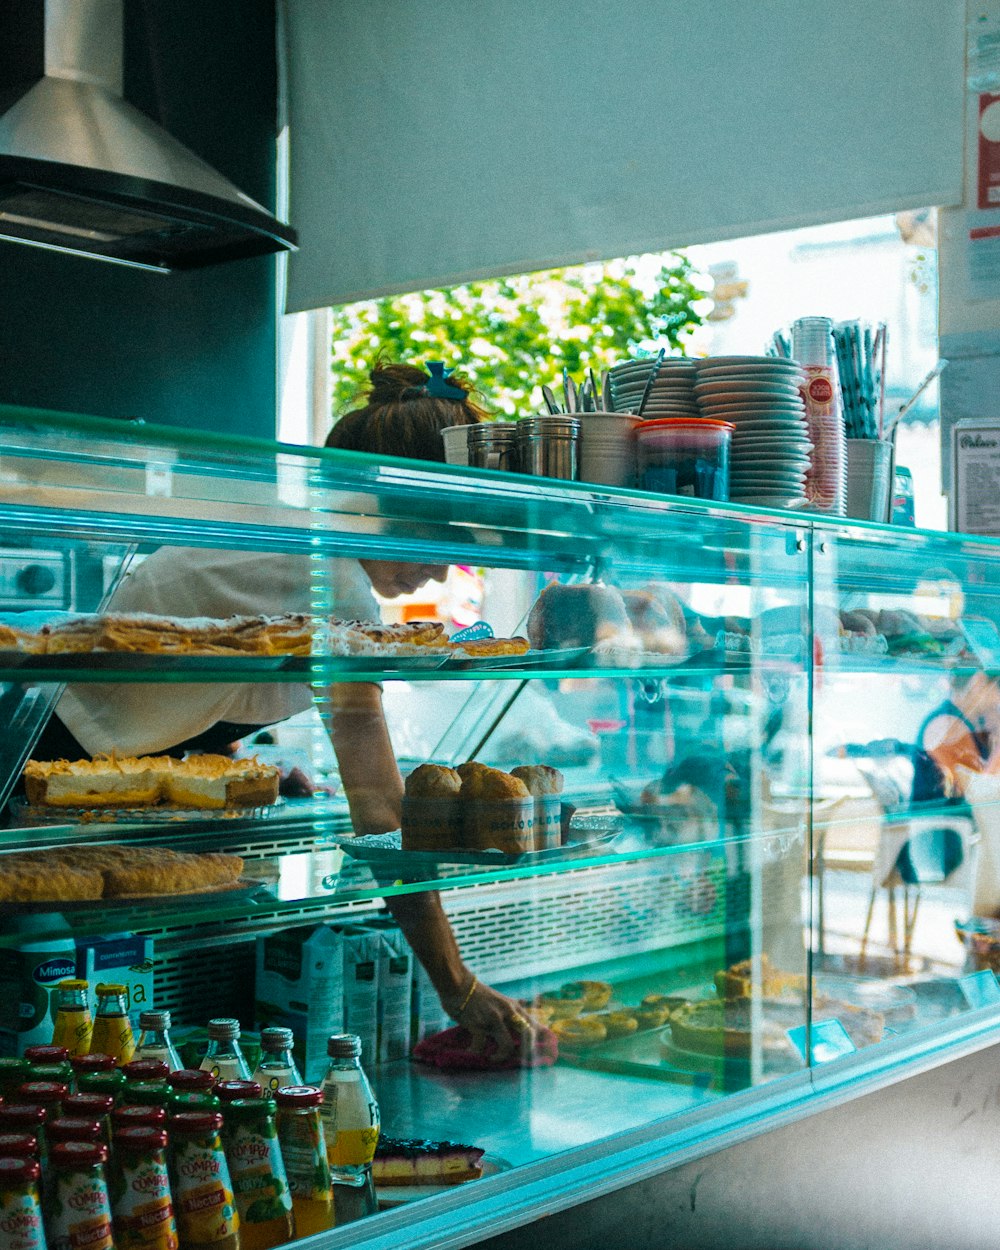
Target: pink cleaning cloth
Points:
(451, 1051)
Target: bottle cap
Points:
(10, 1066)
(46, 1054)
(73, 984)
(17, 1171)
(141, 1138)
(60, 1073)
(196, 1100)
(22, 1115)
(146, 1093)
(299, 1096)
(105, 988)
(146, 1070)
(94, 1062)
(195, 1122)
(343, 1046)
(100, 1082)
(21, 1145)
(73, 1128)
(229, 1091)
(191, 1080)
(244, 1109)
(44, 1093)
(276, 1039)
(77, 1154)
(136, 1115)
(157, 1021)
(224, 1029)
(88, 1105)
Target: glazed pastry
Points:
(580, 1030)
(618, 1023)
(579, 616)
(478, 647)
(596, 994)
(539, 778)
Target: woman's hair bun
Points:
(394, 383)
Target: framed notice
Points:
(975, 477)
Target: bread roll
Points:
(432, 781)
(539, 778)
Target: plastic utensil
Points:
(650, 380)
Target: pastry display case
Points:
(745, 857)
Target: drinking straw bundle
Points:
(861, 365)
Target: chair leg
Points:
(868, 923)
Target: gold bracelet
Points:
(465, 1001)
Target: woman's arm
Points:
(374, 788)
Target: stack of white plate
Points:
(672, 393)
(770, 447)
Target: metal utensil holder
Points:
(493, 445)
(549, 446)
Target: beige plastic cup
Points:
(456, 443)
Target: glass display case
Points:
(772, 872)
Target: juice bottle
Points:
(73, 1027)
(92, 1107)
(25, 1118)
(141, 1202)
(154, 1039)
(303, 1149)
(112, 1033)
(191, 1081)
(259, 1181)
(77, 1208)
(48, 1094)
(74, 1128)
(145, 1069)
(224, 1059)
(351, 1123)
(83, 1065)
(18, 1146)
(229, 1091)
(138, 1117)
(277, 1066)
(20, 1207)
(207, 1218)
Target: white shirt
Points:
(140, 718)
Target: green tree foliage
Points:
(510, 335)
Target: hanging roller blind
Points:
(437, 141)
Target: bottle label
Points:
(206, 1209)
(79, 1215)
(144, 1214)
(350, 1121)
(112, 1035)
(270, 1079)
(226, 1069)
(303, 1149)
(74, 1030)
(258, 1173)
(21, 1219)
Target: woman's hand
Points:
(491, 1017)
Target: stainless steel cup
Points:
(549, 446)
(492, 445)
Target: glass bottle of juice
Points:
(77, 1208)
(259, 1181)
(145, 1069)
(277, 1066)
(207, 1218)
(154, 1039)
(224, 1059)
(48, 1094)
(303, 1149)
(18, 1146)
(351, 1123)
(92, 1107)
(74, 1128)
(25, 1118)
(141, 1204)
(73, 1027)
(112, 1033)
(20, 1206)
(138, 1117)
(191, 1081)
(49, 1063)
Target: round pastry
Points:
(596, 994)
(618, 1023)
(652, 1017)
(578, 616)
(660, 1002)
(564, 1002)
(580, 1031)
(432, 781)
(540, 779)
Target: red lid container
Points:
(136, 1116)
(19, 1145)
(229, 1091)
(46, 1054)
(73, 1128)
(195, 1123)
(43, 1093)
(90, 1106)
(299, 1096)
(146, 1070)
(18, 1172)
(22, 1115)
(191, 1081)
(141, 1139)
(95, 1062)
(77, 1154)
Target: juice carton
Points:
(361, 951)
(395, 985)
(427, 1016)
(118, 958)
(300, 986)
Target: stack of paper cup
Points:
(826, 477)
(456, 443)
(607, 448)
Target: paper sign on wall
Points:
(989, 150)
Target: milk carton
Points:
(300, 986)
(395, 977)
(118, 959)
(427, 1016)
(29, 973)
(362, 949)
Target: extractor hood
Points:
(83, 171)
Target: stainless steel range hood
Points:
(83, 171)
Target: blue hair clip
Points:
(438, 386)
